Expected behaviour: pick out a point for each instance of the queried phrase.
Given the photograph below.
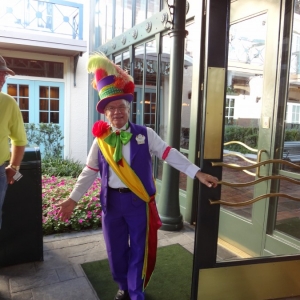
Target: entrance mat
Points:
(171, 279)
(290, 226)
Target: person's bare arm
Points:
(17, 153)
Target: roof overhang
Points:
(46, 43)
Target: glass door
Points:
(259, 192)
(259, 212)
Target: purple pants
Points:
(124, 227)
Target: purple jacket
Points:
(140, 162)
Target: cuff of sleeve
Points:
(75, 196)
(192, 170)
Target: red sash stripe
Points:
(154, 223)
(96, 170)
(166, 152)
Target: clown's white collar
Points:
(125, 127)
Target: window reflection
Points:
(288, 211)
(243, 104)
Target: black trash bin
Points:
(21, 234)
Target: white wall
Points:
(76, 109)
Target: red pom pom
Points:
(99, 128)
(129, 88)
(99, 74)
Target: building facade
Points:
(46, 44)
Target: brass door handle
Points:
(261, 178)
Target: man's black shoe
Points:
(122, 295)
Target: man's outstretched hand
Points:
(66, 209)
(207, 179)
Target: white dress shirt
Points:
(156, 147)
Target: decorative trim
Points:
(148, 26)
(104, 50)
(123, 39)
(134, 33)
(164, 18)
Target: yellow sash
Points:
(125, 173)
(131, 180)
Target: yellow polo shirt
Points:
(11, 126)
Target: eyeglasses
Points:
(119, 108)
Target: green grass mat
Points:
(171, 279)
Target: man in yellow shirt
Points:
(11, 127)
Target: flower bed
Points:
(86, 215)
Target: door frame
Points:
(244, 278)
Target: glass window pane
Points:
(54, 105)
(243, 111)
(119, 17)
(44, 92)
(153, 7)
(288, 216)
(44, 117)
(12, 90)
(104, 20)
(36, 68)
(147, 119)
(54, 117)
(25, 115)
(140, 11)
(44, 104)
(127, 14)
(147, 102)
(54, 92)
(24, 103)
(24, 90)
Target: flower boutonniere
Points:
(100, 128)
(140, 139)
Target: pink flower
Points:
(80, 221)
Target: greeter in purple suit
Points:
(122, 152)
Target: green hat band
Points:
(109, 91)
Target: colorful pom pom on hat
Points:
(111, 82)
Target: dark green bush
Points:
(292, 135)
(246, 135)
(56, 166)
(249, 136)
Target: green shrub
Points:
(246, 135)
(56, 166)
(249, 136)
(292, 135)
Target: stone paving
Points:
(60, 276)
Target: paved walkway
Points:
(60, 276)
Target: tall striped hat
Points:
(111, 82)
